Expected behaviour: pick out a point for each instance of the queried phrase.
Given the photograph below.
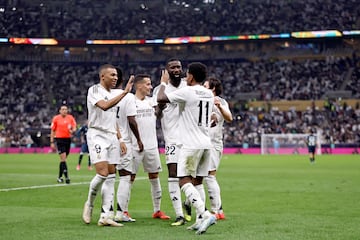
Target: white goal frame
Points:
(288, 143)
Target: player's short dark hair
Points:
(105, 66)
(172, 59)
(198, 70)
(140, 77)
(215, 83)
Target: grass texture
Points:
(273, 197)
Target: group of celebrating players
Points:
(122, 135)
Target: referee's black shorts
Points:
(63, 145)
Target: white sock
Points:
(107, 192)
(201, 191)
(123, 193)
(175, 196)
(94, 187)
(127, 203)
(187, 202)
(156, 193)
(214, 193)
(194, 198)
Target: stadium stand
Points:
(39, 88)
(35, 79)
(93, 19)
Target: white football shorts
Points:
(103, 146)
(150, 158)
(172, 153)
(193, 162)
(127, 160)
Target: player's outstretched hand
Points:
(164, 76)
(129, 84)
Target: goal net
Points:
(286, 144)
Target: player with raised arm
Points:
(103, 141)
(125, 118)
(169, 116)
(195, 104)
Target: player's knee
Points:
(153, 175)
(172, 174)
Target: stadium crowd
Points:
(40, 88)
(85, 19)
(337, 124)
(31, 92)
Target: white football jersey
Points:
(216, 133)
(195, 105)
(126, 107)
(146, 121)
(98, 118)
(171, 115)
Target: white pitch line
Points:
(40, 186)
(52, 185)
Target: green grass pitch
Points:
(277, 197)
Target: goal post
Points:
(286, 143)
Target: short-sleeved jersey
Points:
(126, 107)
(62, 125)
(98, 118)
(216, 132)
(146, 121)
(171, 114)
(195, 105)
(311, 140)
